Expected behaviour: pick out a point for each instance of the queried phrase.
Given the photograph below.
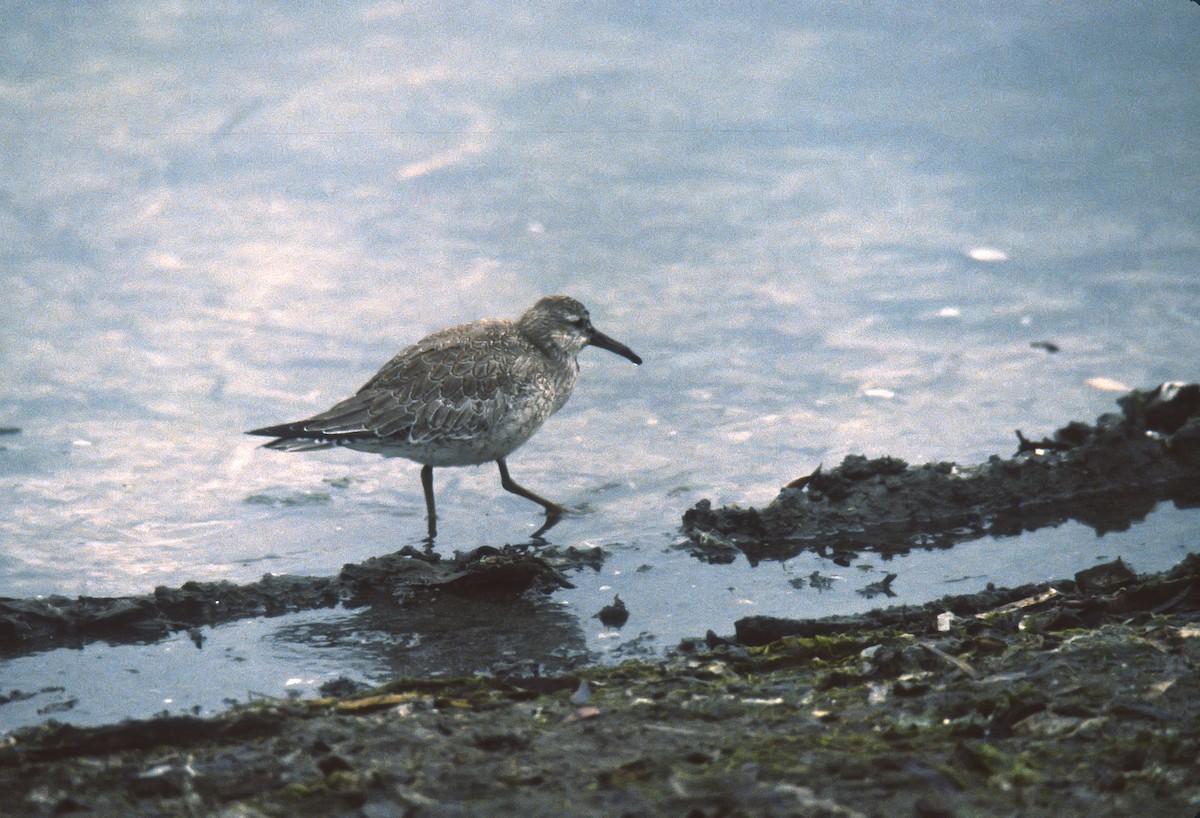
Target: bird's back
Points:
(463, 395)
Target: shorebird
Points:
(462, 396)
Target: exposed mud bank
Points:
(1107, 475)
(43, 623)
(1081, 702)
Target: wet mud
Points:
(44, 623)
(1075, 698)
(1107, 475)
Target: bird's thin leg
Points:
(553, 510)
(427, 484)
(538, 537)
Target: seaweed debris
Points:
(1079, 702)
(1107, 475)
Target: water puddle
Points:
(669, 594)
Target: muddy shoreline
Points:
(1076, 697)
(1108, 475)
(50, 622)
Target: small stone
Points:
(582, 694)
(1106, 578)
(163, 781)
(614, 615)
(494, 742)
(334, 764)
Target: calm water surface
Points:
(827, 231)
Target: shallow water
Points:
(826, 232)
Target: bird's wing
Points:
(448, 386)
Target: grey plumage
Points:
(463, 395)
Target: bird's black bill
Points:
(599, 339)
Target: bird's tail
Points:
(298, 444)
(292, 437)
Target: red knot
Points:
(462, 396)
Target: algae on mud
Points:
(1079, 703)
